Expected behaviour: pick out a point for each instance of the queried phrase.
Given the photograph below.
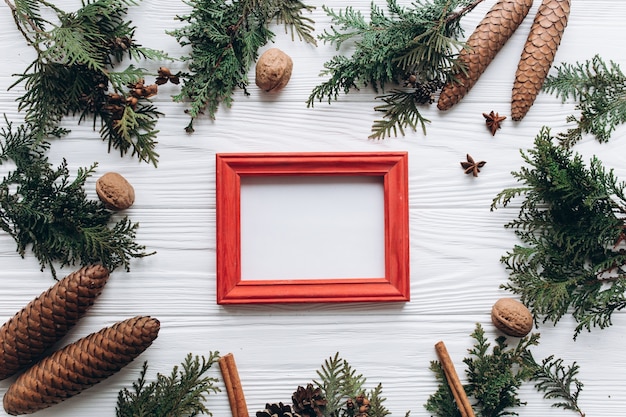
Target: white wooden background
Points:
(456, 242)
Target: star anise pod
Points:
(472, 166)
(309, 401)
(493, 121)
(277, 410)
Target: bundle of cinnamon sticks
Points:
(233, 385)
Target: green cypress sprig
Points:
(496, 372)
(418, 43)
(224, 37)
(182, 393)
(599, 90)
(45, 209)
(571, 223)
(75, 73)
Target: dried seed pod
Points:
(47, 318)
(80, 365)
(482, 46)
(538, 54)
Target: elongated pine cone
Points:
(482, 46)
(538, 54)
(47, 318)
(80, 365)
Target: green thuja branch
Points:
(182, 393)
(572, 224)
(224, 37)
(495, 373)
(75, 73)
(599, 90)
(43, 208)
(416, 45)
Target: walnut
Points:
(273, 70)
(115, 191)
(512, 317)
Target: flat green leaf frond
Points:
(570, 222)
(399, 112)
(290, 14)
(558, 382)
(441, 403)
(599, 90)
(70, 45)
(182, 393)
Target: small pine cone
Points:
(538, 54)
(309, 401)
(47, 318)
(277, 410)
(80, 365)
(482, 46)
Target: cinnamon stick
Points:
(454, 382)
(234, 389)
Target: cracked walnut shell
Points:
(115, 191)
(512, 317)
(273, 70)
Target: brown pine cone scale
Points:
(47, 318)
(80, 365)
(482, 46)
(538, 54)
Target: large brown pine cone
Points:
(309, 401)
(46, 319)
(276, 410)
(80, 365)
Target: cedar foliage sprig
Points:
(599, 90)
(571, 224)
(496, 373)
(74, 73)
(416, 44)
(182, 393)
(43, 208)
(224, 37)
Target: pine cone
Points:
(538, 54)
(46, 319)
(276, 410)
(483, 44)
(309, 401)
(80, 365)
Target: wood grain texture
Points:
(455, 240)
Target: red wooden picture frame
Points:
(232, 288)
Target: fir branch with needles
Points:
(182, 393)
(416, 46)
(75, 73)
(496, 372)
(599, 90)
(224, 38)
(572, 225)
(46, 209)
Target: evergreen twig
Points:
(599, 90)
(224, 37)
(77, 53)
(496, 373)
(572, 224)
(180, 394)
(44, 209)
(418, 45)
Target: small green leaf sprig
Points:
(416, 46)
(599, 90)
(46, 209)
(74, 73)
(182, 393)
(224, 37)
(495, 374)
(572, 224)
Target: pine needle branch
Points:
(417, 46)
(225, 37)
(599, 90)
(182, 393)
